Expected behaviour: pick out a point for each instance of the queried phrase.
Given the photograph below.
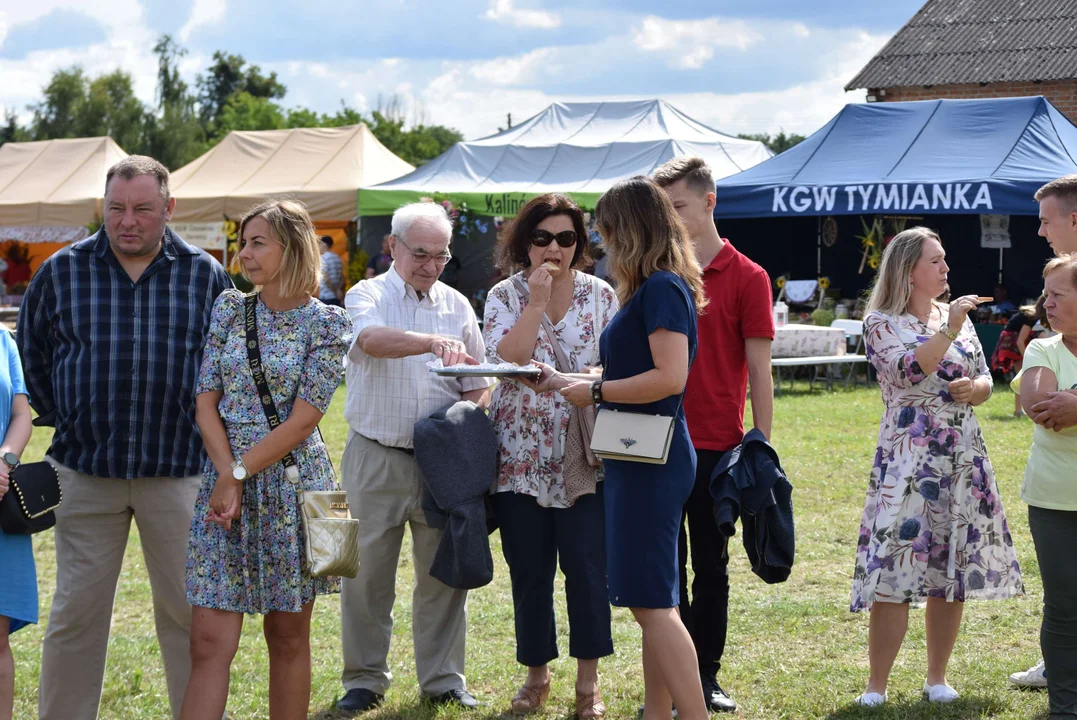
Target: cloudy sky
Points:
(748, 66)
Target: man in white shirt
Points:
(402, 319)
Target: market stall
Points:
(50, 195)
(579, 149)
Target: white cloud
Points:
(203, 12)
(514, 70)
(689, 44)
(503, 11)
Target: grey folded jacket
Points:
(456, 450)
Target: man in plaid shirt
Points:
(332, 289)
(111, 333)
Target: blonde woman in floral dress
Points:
(933, 524)
(541, 520)
(246, 551)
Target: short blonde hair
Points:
(301, 266)
(892, 289)
(1063, 188)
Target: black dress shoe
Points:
(359, 700)
(455, 697)
(715, 697)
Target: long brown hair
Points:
(643, 234)
(893, 288)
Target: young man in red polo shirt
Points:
(735, 333)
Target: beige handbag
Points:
(330, 535)
(635, 437)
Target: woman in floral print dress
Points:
(539, 517)
(933, 525)
(246, 549)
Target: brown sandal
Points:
(589, 706)
(530, 698)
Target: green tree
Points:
(247, 112)
(304, 118)
(174, 134)
(111, 108)
(228, 76)
(778, 143)
(58, 114)
(11, 130)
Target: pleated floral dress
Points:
(259, 565)
(933, 523)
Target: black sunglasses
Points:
(542, 238)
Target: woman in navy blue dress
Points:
(646, 351)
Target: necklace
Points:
(925, 318)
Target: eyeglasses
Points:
(542, 238)
(423, 257)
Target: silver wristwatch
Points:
(239, 470)
(11, 459)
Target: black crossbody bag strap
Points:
(254, 357)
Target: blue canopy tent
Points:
(931, 157)
(940, 163)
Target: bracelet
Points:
(596, 392)
(945, 330)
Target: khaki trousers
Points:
(384, 490)
(92, 525)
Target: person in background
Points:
(933, 524)
(549, 505)
(1058, 226)
(259, 567)
(647, 351)
(1049, 487)
(18, 591)
(734, 353)
(117, 379)
(380, 263)
(331, 288)
(1006, 359)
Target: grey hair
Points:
(428, 212)
(892, 289)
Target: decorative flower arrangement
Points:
(464, 225)
(875, 238)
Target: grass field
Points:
(794, 651)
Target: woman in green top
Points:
(1048, 387)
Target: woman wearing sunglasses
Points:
(548, 498)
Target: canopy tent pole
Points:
(1000, 266)
(819, 246)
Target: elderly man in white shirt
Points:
(402, 320)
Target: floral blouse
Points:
(532, 427)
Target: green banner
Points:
(384, 202)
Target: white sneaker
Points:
(1034, 677)
(940, 693)
(870, 699)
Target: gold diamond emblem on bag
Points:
(628, 442)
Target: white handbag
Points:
(631, 436)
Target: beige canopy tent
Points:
(51, 187)
(321, 167)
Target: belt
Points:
(406, 451)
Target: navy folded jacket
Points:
(456, 451)
(748, 483)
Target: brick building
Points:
(980, 49)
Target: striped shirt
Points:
(113, 364)
(387, 396)
(332, 275)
